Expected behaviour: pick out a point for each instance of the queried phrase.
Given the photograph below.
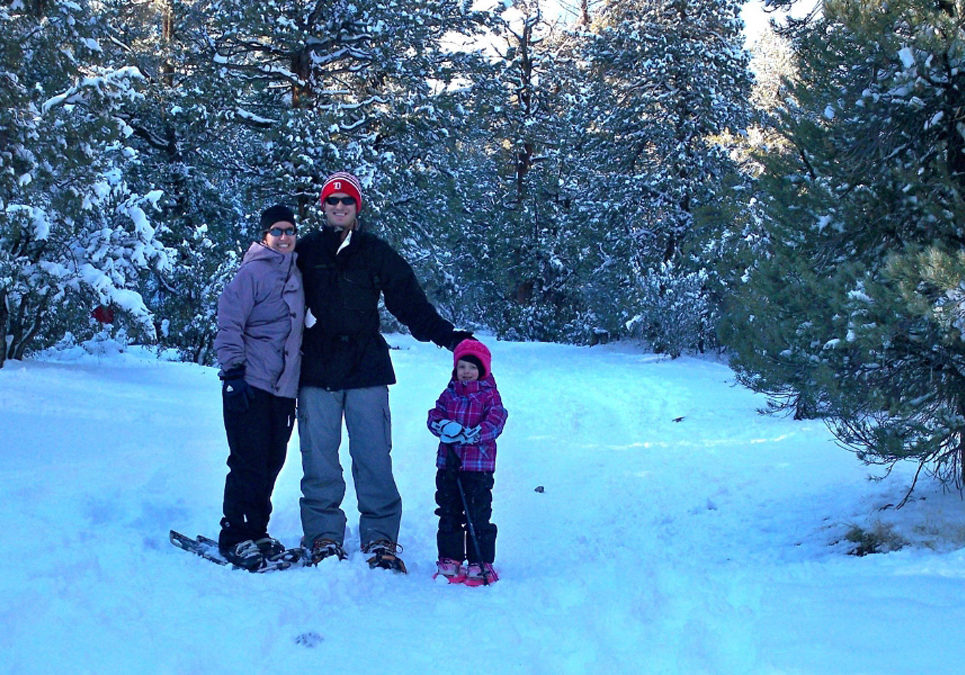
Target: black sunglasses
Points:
(348, 201)
(277, 231)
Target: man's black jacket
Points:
(344, 348)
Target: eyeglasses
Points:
(278, 232)
(348, 201)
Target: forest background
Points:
(631, 172)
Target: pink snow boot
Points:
(480, 575)
(451, 570)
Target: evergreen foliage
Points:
(534, 245)
(252, 104)
(549, 182)
(605, 171)
(669, 79)
(194, 144)
(853, 315)
(73, 232)
(549, 188)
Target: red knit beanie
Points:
(476, 351)
(343, 181)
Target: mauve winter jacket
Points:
(475, 403)
(261, 315)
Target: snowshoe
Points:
(480, 575)
(325, 548)
(384, 556)
(450, 570)
(245, 554)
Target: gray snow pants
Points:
(367, 418)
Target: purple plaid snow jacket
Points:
(471, 404)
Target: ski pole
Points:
(469, 524)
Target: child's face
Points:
(466, 372)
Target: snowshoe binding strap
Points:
(385, 556)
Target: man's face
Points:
(340, 210)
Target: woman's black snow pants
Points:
(258, 441)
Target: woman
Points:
(261, 314)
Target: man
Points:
(346, 371)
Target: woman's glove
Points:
(235, 391)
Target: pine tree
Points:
(669, 80)
(853, 316)
(73, 234)
(255, 103)
(535, 250)
(194, 143)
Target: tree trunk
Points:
(167, 38)
(25, 325)
(961, 447)
(301, 65)
(4, 315)
(955, 104)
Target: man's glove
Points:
(234, 389)
(457, 337)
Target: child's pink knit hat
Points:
(476, 353)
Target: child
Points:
(468, 417)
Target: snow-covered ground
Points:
(712, 544)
